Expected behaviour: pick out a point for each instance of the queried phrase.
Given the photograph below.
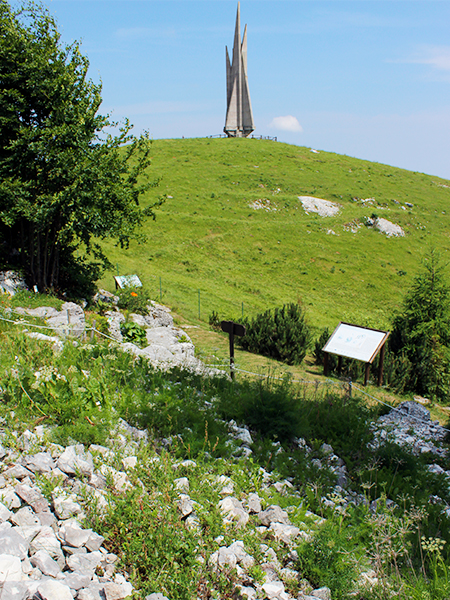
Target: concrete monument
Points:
(239, 119)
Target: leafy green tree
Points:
(65, 182)
(422, 330)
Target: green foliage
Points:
(282, 334)
(85, 389)
(145, 529)
(28, 299)
(267, 406)
(421, 331)
(318, 345)
(64, 182)
(134, 333)
(327, 561)
(134, 299)
(214, 320)
(236, 254)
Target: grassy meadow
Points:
(207, 241)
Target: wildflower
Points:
(134, 294)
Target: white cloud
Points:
(287, 123)
(436, 56)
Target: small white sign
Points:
(124, 281)
(356, 342)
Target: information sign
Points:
(356, 342)
(123, 281)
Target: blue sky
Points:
(370, 79)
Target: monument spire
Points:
(239, 119)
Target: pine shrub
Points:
(282, 334)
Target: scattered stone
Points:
(273, 514)
(324, 208)
(233, 511)
(409, 424)
(54, 590)
(11, 282)
(45, 563)
(323, 593)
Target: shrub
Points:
(134, 300)
(134, 333)
(282, 334)
(214, 320)
(326, 560)
(422, 331)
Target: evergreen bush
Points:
(282, 334)
(421, 332)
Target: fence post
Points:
(160, 290)
(93, 329)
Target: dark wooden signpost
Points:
(232, 329)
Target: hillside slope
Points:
(234, 234)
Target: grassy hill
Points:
(208, 243)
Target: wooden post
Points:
(325, 364)
(380, 370)
(339, 369)
(232, 353)
(367, 374)
(232, 329)
(93, 329)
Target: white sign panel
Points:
(356, 342)
(124, 281)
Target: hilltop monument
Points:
(239, 119)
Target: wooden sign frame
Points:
(359, 343)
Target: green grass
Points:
(207, 239)
(84, 389)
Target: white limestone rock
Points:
(45, 563)
(41, 462)
(10, 568)
(223, 557)
(65, 505)
(25, 517)
(5, 513)
(77, 580)
(74, 460)
(254, 504)
(273, 514)
(323, 593)
(47, 540)
(117, 591)
(69, 320)
(12, 543)
(54, 590)
(233, 511)
(284, 533)
(182, 484)
(227, 485)
(273, 589)
(185, 505)
(71, 534)
(86, 563)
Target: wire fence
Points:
(348, 385)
